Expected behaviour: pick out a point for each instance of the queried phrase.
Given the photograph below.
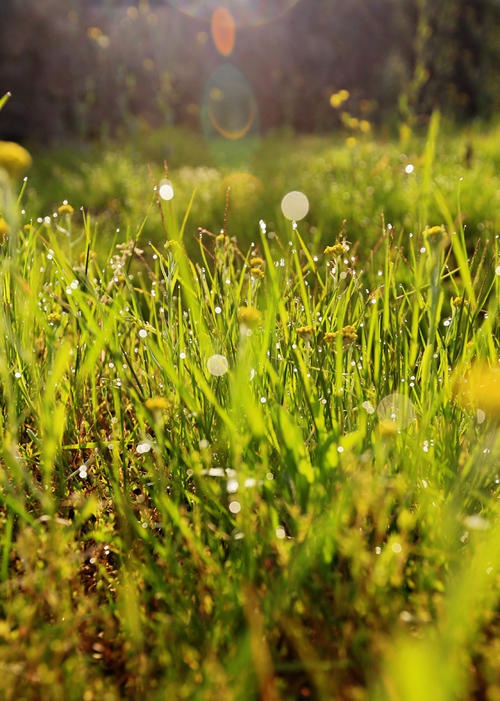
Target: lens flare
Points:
(245, 13)
(245, 190)
(396, 410)
(223, 30)
(230, 108)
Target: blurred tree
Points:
(447, 54)
(89, 67)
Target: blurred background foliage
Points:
(87, 69)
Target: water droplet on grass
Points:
(235, 507)
(143, 447)
(232, 486)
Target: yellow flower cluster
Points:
(348, 333)
(336, 251)
(458, 302)
(305, 332)
(14, 159)
(256, 265)
(338, 98)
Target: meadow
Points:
(244, 457)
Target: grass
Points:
(312, 515)
(354, 183)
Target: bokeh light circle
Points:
(244, 12)
(166, 190)
(245, 190)
(397, 409)
(217, 365)
(229, 107)
(295, 205)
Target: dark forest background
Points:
(87, 68)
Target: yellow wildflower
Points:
(479, 388)
(365, 126)
(256, 272)
(436, 236)
(65, 208)
(350, 142)
(256, 262)
(14, 159)
(4, 228)
(155, 404)
(336, 251)
(338, 98)
(305, 332)
(348, 333)
(249, 316)
(54, 318)
(458, 302)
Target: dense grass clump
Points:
(267, 471)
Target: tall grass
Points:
(265, 472)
